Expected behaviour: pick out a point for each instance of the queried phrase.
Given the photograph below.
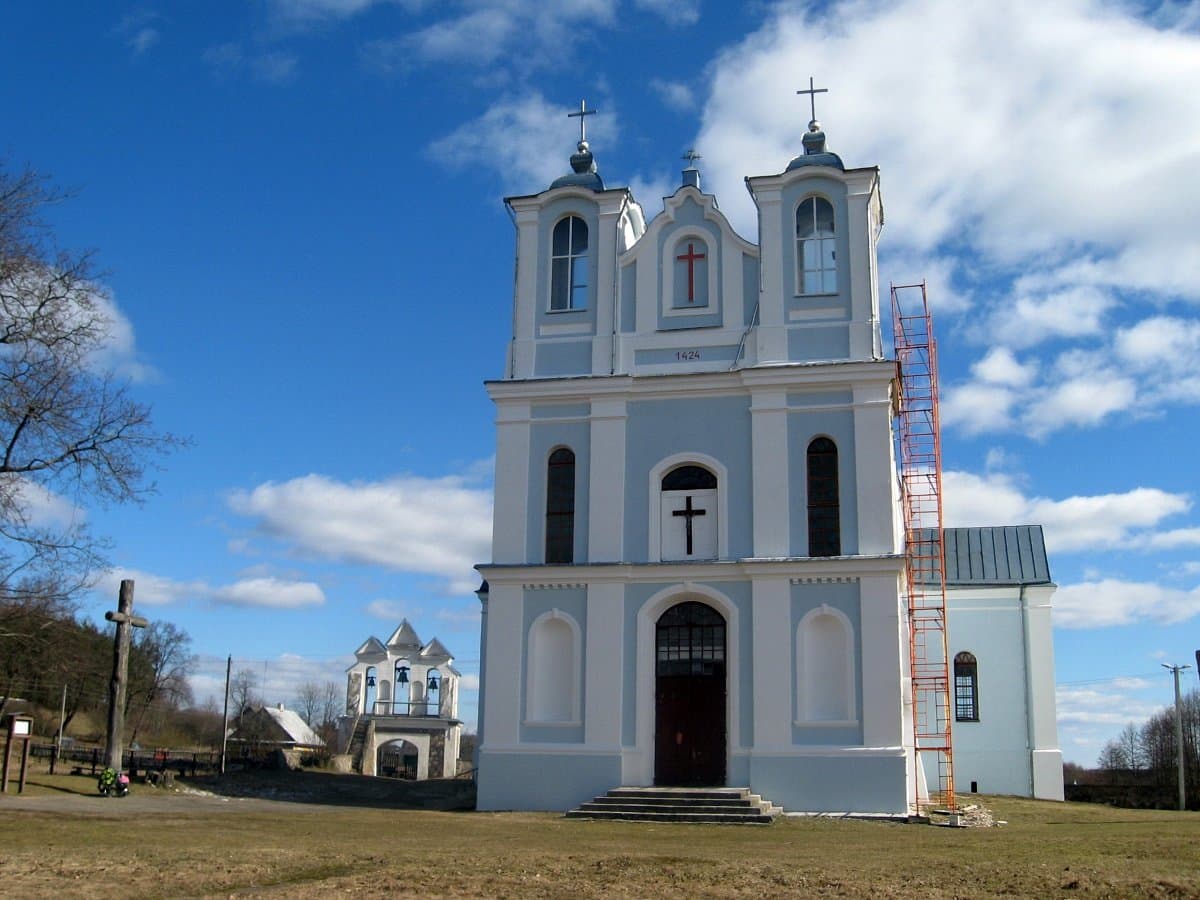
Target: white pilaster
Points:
(773, 664)
(606, 289)
(509, 515)
(604, 688)
(873, 467)
(606, 483)
(775, 290)
(506, 649)
(881, 661)
(769, 448)
(525, 299)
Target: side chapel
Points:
(697, 558)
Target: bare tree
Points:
(159, 667)
(332, 704)
(308, 702)
(243, 689)
(69, 429)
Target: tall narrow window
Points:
(815, 250)
(966, 688)
(569, 269)
(824, 511)
(560, 507)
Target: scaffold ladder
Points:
(920, 456)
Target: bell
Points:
(402, 675)
(432, 684)
(370, 681)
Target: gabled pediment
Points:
(404, 637)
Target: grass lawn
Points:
(164, 845)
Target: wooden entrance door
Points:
(690, 729)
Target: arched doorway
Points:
(689, 694)
(398, 759)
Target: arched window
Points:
(825, 667)
(815, 250)
(552, 690)
(966, 688)
(824, 511)
(433, 692)
(691, 274)
(689, 513)
(569, 268)
(560, 507)
(403, 692)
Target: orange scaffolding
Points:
(920, 455)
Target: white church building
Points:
(697, 563)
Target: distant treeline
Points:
(1139, 767)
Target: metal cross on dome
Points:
(691, 156)
(583, 113)
(812, 96)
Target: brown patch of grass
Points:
(176, 849)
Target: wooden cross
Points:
(690, 258)
(126, 622)
(812, 96)
(583, 113)
(688, 513)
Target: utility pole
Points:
(62, 714)
(1175, 670)
(225, 717)
(126, 622)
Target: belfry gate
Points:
(690, 727)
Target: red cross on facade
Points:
(690, 258)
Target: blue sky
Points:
(297, 203)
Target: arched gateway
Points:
(690, 727)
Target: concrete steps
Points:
(727, 806)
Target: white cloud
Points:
(265, 592)
(277, 680)
(1075, 523)
(229, 60)
(674, 94)
(150, 589)
(515, 136)
(1031, 318)
(519, 34)
(1099, 604)
(433, 526)
(1010, 130)
(275, 68)
(977, 408)
(673, 12)
(43, 508)
(1095, 706)
(388, 610)
(143, 40)
(271, 593)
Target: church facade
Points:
(697, 565)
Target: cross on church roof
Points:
(812, 96)
(691, 156)
(583, 113)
